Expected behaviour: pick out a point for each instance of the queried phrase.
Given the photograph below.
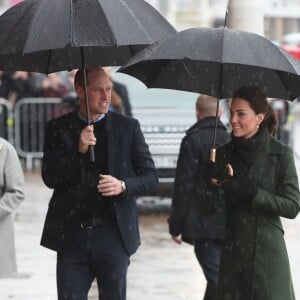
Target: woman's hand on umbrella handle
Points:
(211, 169)
(87, 138)
(229, 171)
(212, 155)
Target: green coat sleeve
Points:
(285, 202)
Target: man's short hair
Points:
(79, 77)
(206, 105)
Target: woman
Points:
(11, 196)
(263, 188)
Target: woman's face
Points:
(244, 121)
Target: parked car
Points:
(291, 43)
(292, 49)
(292, 38)
(164, 115)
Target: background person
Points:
(263, 188)
(186, 222)
(52, 85)
(122, 91)
(92, 220)
(282, 111)
(120, 98)
(18, 85)
(11, 196)
(116, 102)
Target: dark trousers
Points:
(208, 253)
(98, 253)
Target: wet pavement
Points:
(160, 270)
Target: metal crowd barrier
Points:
(31, 115)
(6, 120)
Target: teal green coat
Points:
(254, 262)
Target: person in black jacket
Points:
(185, 221)
(122, 91)
(120, 96)
(92, 219)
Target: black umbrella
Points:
(216, 62)
(59, 31)
(53, 35)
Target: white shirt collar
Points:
(99, 118)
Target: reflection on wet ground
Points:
(163, 270)
(160, 270)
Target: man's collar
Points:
(81, 117)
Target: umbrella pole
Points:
(216, 123)
(87, 110)
(212, 155)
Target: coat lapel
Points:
(270, 152)
(111, 146)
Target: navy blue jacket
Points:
(65, 170)
(190, 182)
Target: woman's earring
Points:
(257, 126)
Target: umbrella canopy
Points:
(51, 35)
(48, 36)
(216, 62)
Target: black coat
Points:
(190, 182)
(122, 91)
(65, 170)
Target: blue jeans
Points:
(208, 253)
(98, 253)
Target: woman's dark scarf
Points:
(248, 149)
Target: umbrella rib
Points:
(289, 93)
(109, 26)
(295, 71)
(138, 22)
(131, 50)
(20, 19)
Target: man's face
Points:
(99, 93)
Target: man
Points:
(92, 220)
(186, 222)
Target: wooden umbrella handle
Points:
(229, 169)
(212, 155)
